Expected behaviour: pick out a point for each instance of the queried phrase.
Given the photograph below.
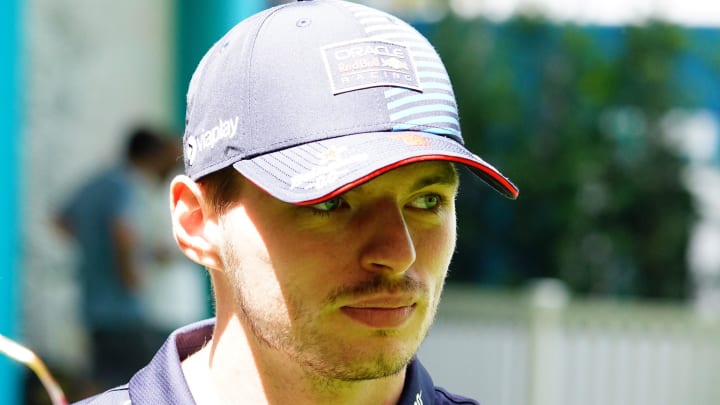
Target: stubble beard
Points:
(322, 356)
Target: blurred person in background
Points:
(103, 218)
(319, 192)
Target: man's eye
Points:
(328, 205)
(427, 202)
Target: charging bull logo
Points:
(395, 63)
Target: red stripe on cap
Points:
(512, 191)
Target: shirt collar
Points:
(419, 387)
(162, 382)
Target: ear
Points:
(194, 223)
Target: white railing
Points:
(542, 348)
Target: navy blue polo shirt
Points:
(162, 382)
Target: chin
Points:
(381, 366)
(372, 358)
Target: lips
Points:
(380, 313)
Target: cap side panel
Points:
(221, 84)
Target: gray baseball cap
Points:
(312, 98)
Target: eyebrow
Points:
(448, 176)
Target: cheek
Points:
(246, 262)
(436, 247)
(270, 267)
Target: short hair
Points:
(222, 188)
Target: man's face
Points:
(347, 288)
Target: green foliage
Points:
(572, 116)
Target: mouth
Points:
(380, 314)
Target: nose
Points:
(387, 242)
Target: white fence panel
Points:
(541, 348)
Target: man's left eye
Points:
(427, 201)
(328, 205)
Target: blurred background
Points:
(599, 285)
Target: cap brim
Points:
(317, 171)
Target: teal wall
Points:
(10, 110)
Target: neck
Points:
(236, 368)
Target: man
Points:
(101, 217)
(319, 148)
